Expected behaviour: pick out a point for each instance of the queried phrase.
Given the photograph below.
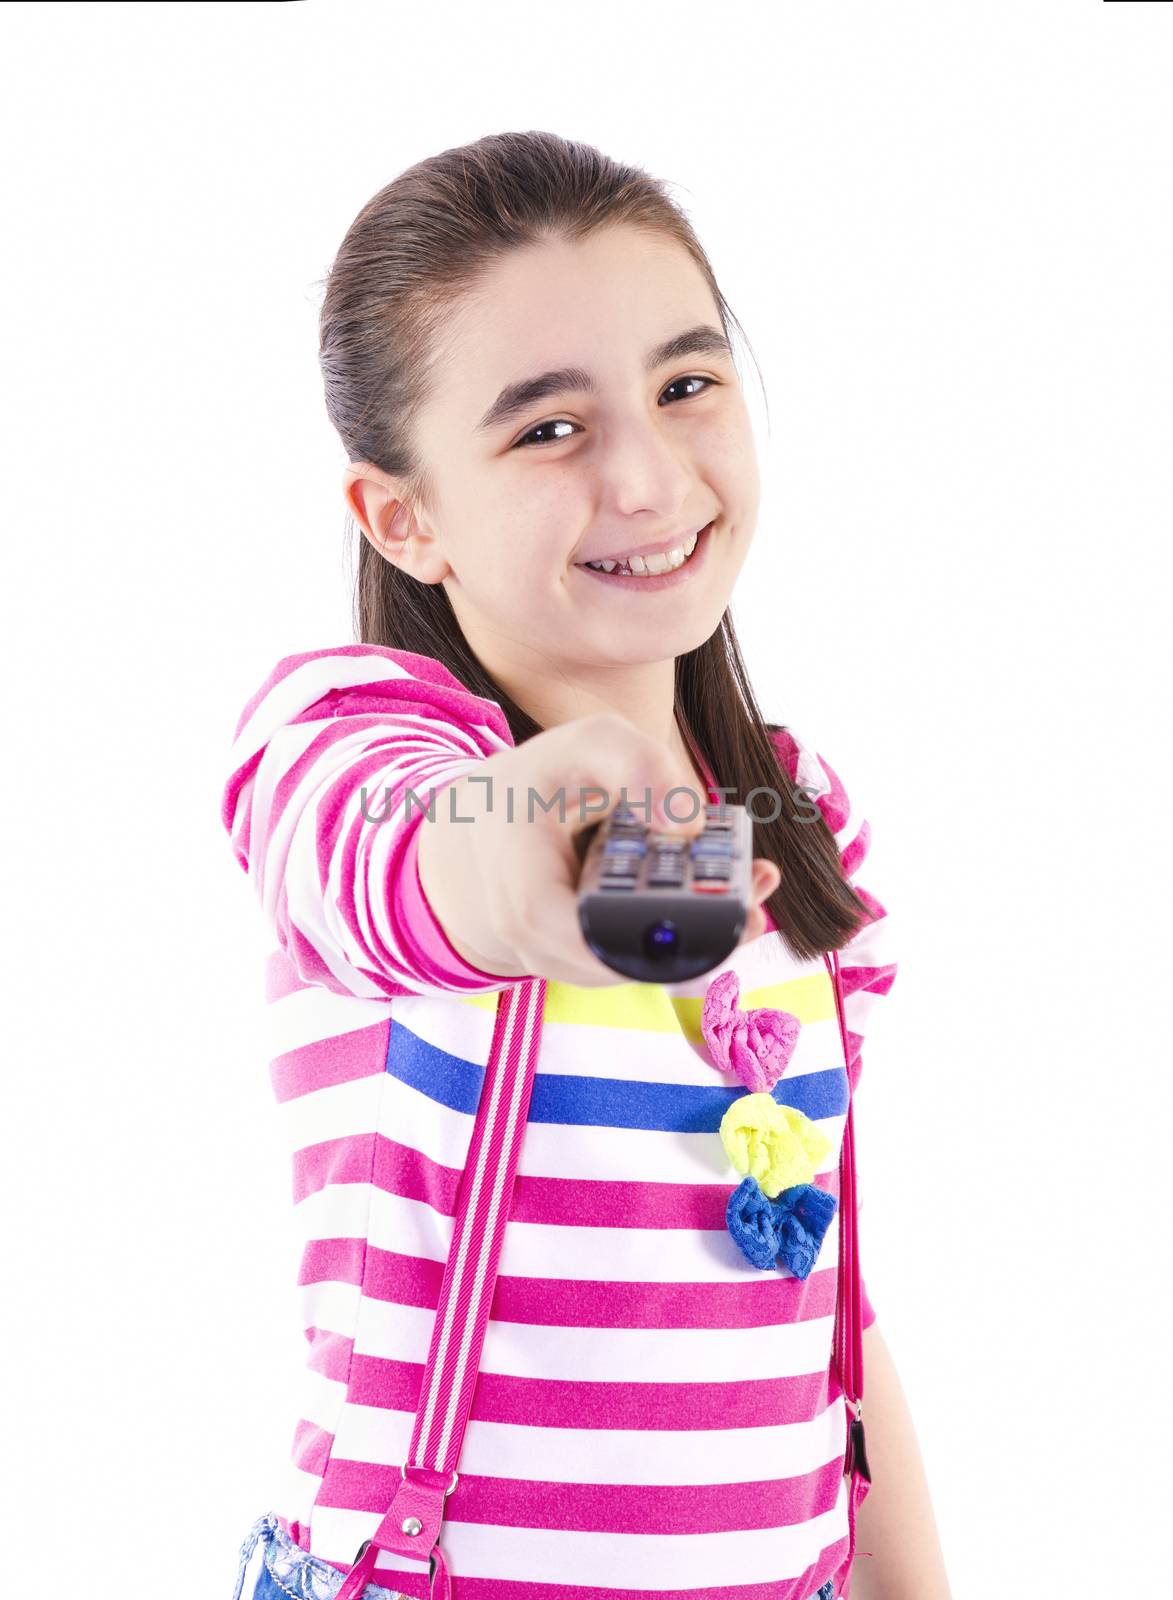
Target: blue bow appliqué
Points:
(788, 1231)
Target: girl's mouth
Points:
(624, 578)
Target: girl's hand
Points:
(505, 892)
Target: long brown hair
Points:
(419, 242)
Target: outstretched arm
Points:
(325, 757)
(898, 1554)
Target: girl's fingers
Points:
(551, 933)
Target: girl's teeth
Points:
(644, 566)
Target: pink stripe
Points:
(330, 1353)
(240, 827)
(601, 1507)
(591, 1302)
(563, 1202)
(875, 909)
(428, 947)
(425, 687)
(565, 1403)
(326, 1062)
(237, 827)
(309, 964)
(311, 1447)
(599, 1203)
(361, 832)
(298, 1531)
(423, 669)
(877, 980)
(281, 977)
(346, 1160)
(834, 805)
(852, 855)
(329, 818)
(332, 1261)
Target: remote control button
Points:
(709, 886)
(616, 883)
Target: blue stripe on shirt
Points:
(576, 1100)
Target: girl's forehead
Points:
(532, 300)
(534, 327)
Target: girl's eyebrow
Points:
(518, 397)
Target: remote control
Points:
(659, 907)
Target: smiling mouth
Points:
(651, 570)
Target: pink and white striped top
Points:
(653, 1414)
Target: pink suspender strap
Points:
(848, 1342)
(412, 1524)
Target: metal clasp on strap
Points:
(365, 1545)
(858, 1455)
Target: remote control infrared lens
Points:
(661, 939)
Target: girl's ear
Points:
(375, 501)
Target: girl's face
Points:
(643, 444)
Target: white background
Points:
(946, 230)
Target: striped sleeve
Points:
(334, 759)
(867, 965)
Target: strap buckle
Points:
(365, 1545)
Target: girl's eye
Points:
(560, 422)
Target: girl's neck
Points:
(644, 693)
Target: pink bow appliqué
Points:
(756, 1045)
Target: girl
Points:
(527, 358)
